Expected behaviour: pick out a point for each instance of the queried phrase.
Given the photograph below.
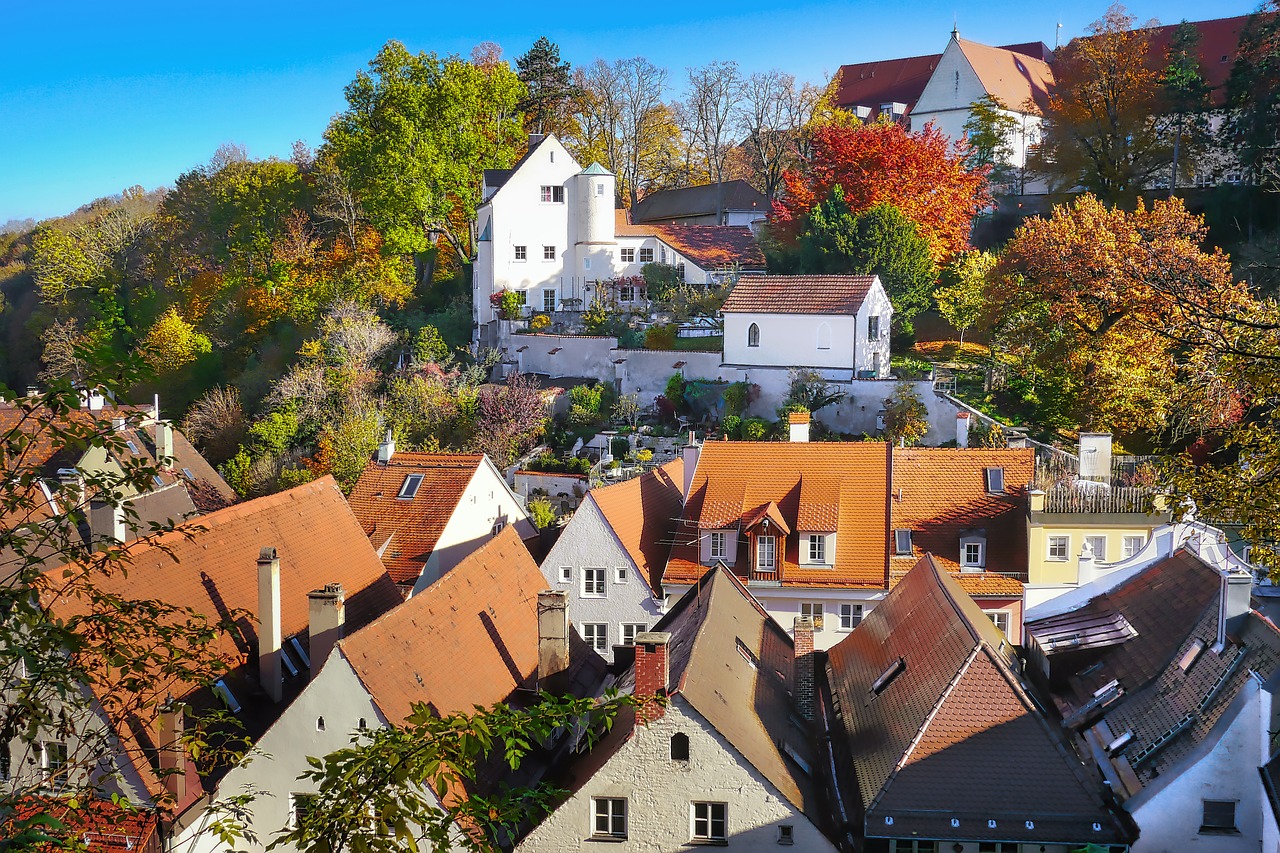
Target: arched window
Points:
(753, 335)
(824, 336)
(363, 725)
(679, 747)
(319, 724)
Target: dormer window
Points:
(902, 541)
(766, 553)
(973, 553)
(995, 480)
(817, 543)
(409, 488)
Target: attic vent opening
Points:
(679, 747)
(886, 678)
(995, 480)
(410, 487)
(747, 655)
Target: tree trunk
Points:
(1177, 143)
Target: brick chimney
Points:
(653, 671)
(553, 633)
(962, 429)
(690, 454)
(802, 667)
(799, 423)
(269, 624)
(326, 615)
(173, 756)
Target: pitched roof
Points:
(927, 697)
(405, 530)
(799, 294)
(710, 247)
(940, 494)
(100, 825)
(469, 639)
(1021, 82)
(1173, 685)
(805, 480)
(643, 513)
(698, 201)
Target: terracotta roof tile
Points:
(799, 294)
(469, 639)
(643, 513)
(714, 247)
(1021, 82)
(405, 531)
(733, 479)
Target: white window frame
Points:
(599, 187)
(998, 616)
(1099, 554)
(586, 263)
(817, 550)
(294, 799)
(1064, 541)
(850, 616)
(521, 253)
(548, 253)
(708, 821)
(566, 574)
(620, 574)
(628, 255)
(978, 562)
(989, 477)
(719, 544)
(1133, 544)
(614, 810)
(753, 335)
(873, 327)
(596, 635)
(771, 541)
(548, 299)
(646, 256)
(902, 536)
(815, 611)
(633, 628)
(552, 194)
(594, 583)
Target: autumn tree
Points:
(1186, 94)
(510, 417)
(961, 298)
(173, 342)
(771, 118)
(1102, 129)
(416, 135)
(548, 85)
(919, 173)
(1085, 298)
(906, 418)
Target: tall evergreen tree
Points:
(1253, 123)
(549, 84)
(1187, 95)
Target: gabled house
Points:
(965, 508)
(274, 565)
(728, 761)
(728, 203)
(803, 525)
(486, 632)
(838, 322)
(425, 512)
(610, 557)
(938, 742)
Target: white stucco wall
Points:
(486, 499)
(335, 694)
(1224, 768)
(589, 541)
(790, 340)
(659, 794)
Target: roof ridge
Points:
(246, 508)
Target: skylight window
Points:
(133, 448)
(902, 541)
(297, 650)
(995, 480)
(223, 692)
(886, 678)
(410, 487)
(1191, 655)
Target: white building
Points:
(547, 230)
(609, 558)
(835, 322)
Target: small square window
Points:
(630, 630)
(1059, 547)
(626, 293)
(710, 821)
(593, 583)
(566, 574)
(609, 817)
(646, 256)
(522, 253)
(628, 256)
(1000, 618)
(902, 541)
(55, 756)
(548, 253)
(620, 574)
(1133, 544)
(1219, 816)
(597, 635)
(786, 834)
(850, 616)
(972, 554)
(553, 194)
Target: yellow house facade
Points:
(1061, 524)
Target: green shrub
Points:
(542, 513)
(539, 323)
(290, 477)
(675, 391)
(661, 337)
(755, 429)
(732, 425)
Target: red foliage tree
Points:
(922, 174)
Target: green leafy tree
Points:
(1252, 126)
(627, 410)
(962, 297)
(542, 513)
(906, 419)
(429, 345)
(807, 391)
(1187, 94)
(416, 135)
(989, 132)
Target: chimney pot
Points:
(653, 672)
(387, 449)
(108, 524)
(962, 429)
(117, 424)
(799, 426)
(326, 619)
(802, 667)
(269, 664)
(553, 633)
(164, 439)
(1236, 599)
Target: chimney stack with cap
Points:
(326, 616)
(553, 633)
(799, 423)
(802, 668)
(962, 429)
(173, 755)
(269, 624)
(108, 524)
(1236, 599)
(653, 671)
(689, 454)
(387, 449)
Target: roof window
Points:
(886, 678)
(995, 480)
(902, 541)
(1191, 655)
(297, 650)
(410, 487)
(223, 692)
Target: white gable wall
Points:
(660, 793)
(589, 542)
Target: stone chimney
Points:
(1036, 499)
(799, 424)
(326, 615)
(1234, 602)
(553, 633)
(164, 440)
(387, 449)
(690, 453)
(1095, 456)
(92, 400)
(107, 524)
(652, 673)
(802, 667)
(269, 624)
(962, 429)
(173, 756)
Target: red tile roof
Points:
(471, 638)
(100, 825)
(799, 294)
(710, 247)
(809, 481)
(1022, 83)
(405, 531)
(643, 513)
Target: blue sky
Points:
(97, 96)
